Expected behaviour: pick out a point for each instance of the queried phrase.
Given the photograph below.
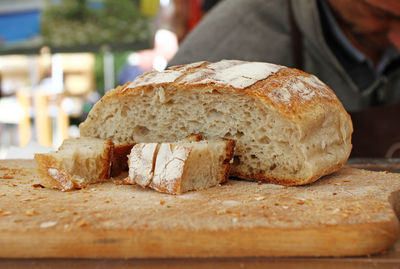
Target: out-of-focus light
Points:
(164, 3)
(159, 63)
(57, 73)
(73, 131)
(133, 59)
(72, 106)
(164, 35)
(166, 43)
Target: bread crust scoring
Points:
(299, 98)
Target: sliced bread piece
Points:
(179, 167)
(77, 163)
(141, 163)
(142, 160)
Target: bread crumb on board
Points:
(82, 223)
(221, 212)
(48, 224)
(31, 213)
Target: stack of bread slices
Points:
(174, 168)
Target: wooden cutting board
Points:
(351, 212)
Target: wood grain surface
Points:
(352, 212)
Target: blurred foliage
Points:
(120, 59)
(74, 22)
(99, 72)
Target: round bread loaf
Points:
(290, 127)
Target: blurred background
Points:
(58, 57)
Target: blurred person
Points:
(165, 47)
(351, 45)
(137, 63)
(181, 16)
(208, 4)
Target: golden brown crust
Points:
(119, 162)
(56, 176)
(230, 151)
(297, 104)
(194, 137)
(62, 181)
(108, 155)
(284, 181)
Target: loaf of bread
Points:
(290, 128)
(77, 163)
(183, 166)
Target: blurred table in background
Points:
(37, 115)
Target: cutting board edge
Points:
(329, 241)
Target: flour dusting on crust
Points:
(169, 167)
(141, 161)
(303, 87)
(166, 76)
(241, 75)
(154, 77)
(237, 74)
